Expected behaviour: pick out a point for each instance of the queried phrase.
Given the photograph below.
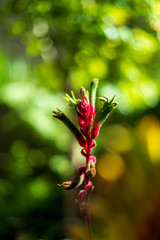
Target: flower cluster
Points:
(89, 125)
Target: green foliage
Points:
(116, 41)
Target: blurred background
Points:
(48, 48)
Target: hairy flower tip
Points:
(91, 170)
(72, 101)
(84, 94)
(108, 106)
(77, 181)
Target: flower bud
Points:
(91, 170)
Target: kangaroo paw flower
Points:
(89, 127)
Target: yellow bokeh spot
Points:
(137, 97)
(78, 78)
(150, 132)
(111, 167)
(108, 51)
(144, 45)
(153, 142)
(113, 139)
(97, 67)
(144, 41)
(156, 8)
(119, 16)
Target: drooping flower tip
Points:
(77, 181)
(65, 185)
(57, 114)
(62, 117)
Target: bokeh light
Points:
(111, 167)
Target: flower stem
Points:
(88, 226)
(87, 180)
